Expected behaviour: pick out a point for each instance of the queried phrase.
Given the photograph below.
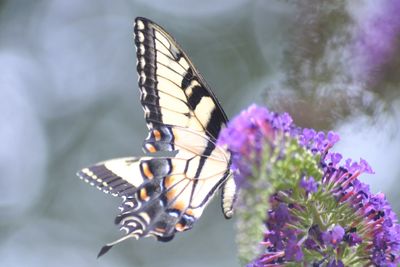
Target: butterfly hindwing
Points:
(118, 177)
(160, 195)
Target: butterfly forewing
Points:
(173, 93)
(165, 195)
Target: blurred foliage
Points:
(319, 68)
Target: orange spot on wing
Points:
(170, 195)
(169, 181)
(143, 194)
(180, 227)
(179, 205)
(146, 170)
(157, 135)
(151, 148)
(189, 212)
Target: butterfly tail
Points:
(108, 246)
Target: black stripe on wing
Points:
(160, 202)
(152, 190)
(106, 178)
(167, 80)
(154, 209)
(157, 212)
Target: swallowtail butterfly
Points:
(165, 195)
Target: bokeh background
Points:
(69, 98)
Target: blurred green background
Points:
(69, 98)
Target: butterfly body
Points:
(165, 195)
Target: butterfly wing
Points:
(175, 97)
(181, 111)
(161, 196)
(165, 195)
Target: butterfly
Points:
(162, 195)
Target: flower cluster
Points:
(252, 136)
(247, 136)
(318, 213)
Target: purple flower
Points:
(333, 237)
(353, 239)
(293, 251)
(311, 244)
(247, 136)
(337, 234)
(282, 214)
(318, 216)
(317, 141)
(309, 185)
(335, 158)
